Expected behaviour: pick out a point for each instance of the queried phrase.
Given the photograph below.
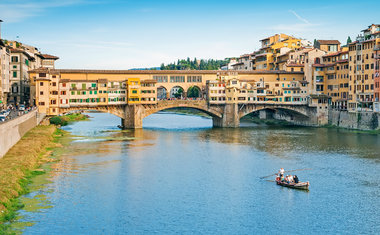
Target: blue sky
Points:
(117, 34)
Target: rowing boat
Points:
(299, 185)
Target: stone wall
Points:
(351, 120)
(12, 131)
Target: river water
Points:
(180, 176)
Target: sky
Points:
(116, 34)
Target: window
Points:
(84, 86)
(41, 93)
(15, 74)
(41, 84)
(134, 91)
(14, 59)
(177, 78)
(161, 78)
(194, 78)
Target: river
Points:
(180, 176)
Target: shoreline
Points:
(21, 164)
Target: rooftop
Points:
(153, 72)
(328, 42)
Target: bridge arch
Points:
(162, 92)
(177, 92)
(299, 111)
(197, 105)
(117, 110)
(194, 92)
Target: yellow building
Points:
(362, 60)
(61, 90)
(272, 47)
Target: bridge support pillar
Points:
(230, 117)
(133, 117)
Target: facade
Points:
(19, 77)
(4, 74)
(271, 88)
(328, 45)
(17, 60)
(362, 63)
(64, 89)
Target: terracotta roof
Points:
(332, 54)
(295, 65)
(319, 65)
(247, 80)
(39, 70)
(342, 61)
(47, 56)
(102, 80)
(323, 42)
(245, 55)
(149, 81)
(13, 50)
(153, 72)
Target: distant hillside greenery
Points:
(195, 64)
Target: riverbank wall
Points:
(12, 131)
(355, 121)
(20, 164)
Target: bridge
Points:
(223, 115)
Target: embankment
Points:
(12, 131)
(20, 164)
(357, 121)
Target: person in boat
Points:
(290, 179)
(296, 180)
(281, 174)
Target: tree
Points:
(193, 92)
(349, 40)
(315, 43)
(179, 93)
(162, 66)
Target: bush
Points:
(58, 121)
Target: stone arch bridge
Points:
(223, 115)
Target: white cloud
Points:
(305, 25)
(299, 17)
(19, 10)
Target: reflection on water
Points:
(179, 175)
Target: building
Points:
(19, 79)
(328, 46)
(58, 89)
(4, 74)
(362, 60)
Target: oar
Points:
(268, 176)
(305, 169)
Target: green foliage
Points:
(66, 119)
(58, 121)
(349, 40)
(193, 92)
(195, 64)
